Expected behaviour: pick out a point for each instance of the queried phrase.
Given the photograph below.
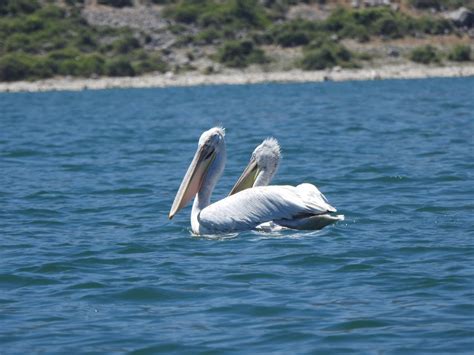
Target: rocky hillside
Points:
(89, 38)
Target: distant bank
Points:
(234, 77)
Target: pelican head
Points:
(262, 166)
(211, 146)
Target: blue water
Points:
(90, 263)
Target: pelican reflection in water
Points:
(300, 207)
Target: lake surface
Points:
(90, 263)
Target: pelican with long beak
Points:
(288, 206)
(260, 171)
(261, 168)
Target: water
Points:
(90, 263)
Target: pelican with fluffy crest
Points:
(288, 206)
(262, 166)
(260, 171)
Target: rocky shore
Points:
(234, 77)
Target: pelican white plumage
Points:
(260, 171)
(285, 205)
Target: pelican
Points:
(261, 168)
(260, 171)
(288, 206)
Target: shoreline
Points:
(234, 77)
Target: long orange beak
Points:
(248, 177)
(192, 181)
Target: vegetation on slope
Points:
(41, 39)
(324, 54)
(239, 54)
(460, 53)
(425, 55)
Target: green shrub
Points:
(293, 39)
(63, 54)
(68, 67)
(318, 59)
(433, 26)
(19, 66)
(207, 36)
(42, 67)
(51, 12)
(388, 26)
(237, 14)
(361, 24)
(460, 53)
(150, 63)
(126, 44)
(249, 12)
(260, 38)
(293, 33)
(185, 39)
(32, 23)
(337, 20)
(364, 56)
(86, 41)
(82, 65)
(239, 54)
(342, 18)
(120, 66)
(53, 44)
(215, 16)
(18, 42)
(358, 32)
(211, 13)
(14, 67)
(425, 55)
(185, 11)
(176, 28)
(116, 3)
(91, 64)
(325, 56)
(16, 7)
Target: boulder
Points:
(462, 17)
(393, 52)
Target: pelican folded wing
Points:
(249, 208)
